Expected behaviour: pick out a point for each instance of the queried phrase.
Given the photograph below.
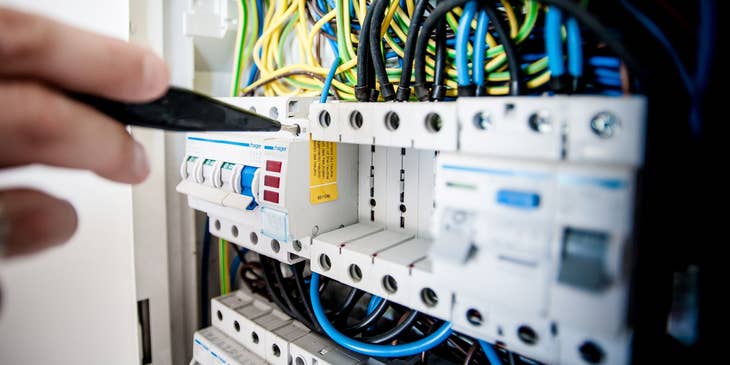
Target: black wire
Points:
(376, 54)
(204, 278)
(364, 68)
(394, 332)
(285, 291)
(513, 61)
(298, 270)
(404, 86)
(274, 294)
(429, 25)
(241, 257)
(341, 313)
(439, 76)
(368, 320)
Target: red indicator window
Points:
(271, 181)
(273, 166)
(271, 196)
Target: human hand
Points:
(41, 60)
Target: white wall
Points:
(75, 304)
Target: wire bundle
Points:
(358, 51)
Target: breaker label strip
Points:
(322, 171)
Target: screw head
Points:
(540, 122)
(605, 124)
(483, 121)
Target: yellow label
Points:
(322, 171)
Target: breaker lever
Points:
(181, 109)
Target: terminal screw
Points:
(605, 124)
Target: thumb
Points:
(31, 221)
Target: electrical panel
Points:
(510, 218)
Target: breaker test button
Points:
(271, 181)
(273, 166)
(271, 196)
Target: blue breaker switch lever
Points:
(248, 174)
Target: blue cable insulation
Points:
(532, 57)
(491, 353)
(553, 41)
(612, 93)
(462, 41)
(330, 77)
(705, 43)
(662, 38)
(607, 72)
(255, 69)
(575, 48)
(603, 61)
(705, 54)
(609, 81)
(321, 5)
(409, 349)
(374, 302)
(480, 48)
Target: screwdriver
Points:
(181, 109)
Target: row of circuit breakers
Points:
(510, 217)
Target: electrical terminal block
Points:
(212, 347)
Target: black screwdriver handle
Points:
(182, 110)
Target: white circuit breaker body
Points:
(261, 192)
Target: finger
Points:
(34, 221)
(33, 46)
(39, 125)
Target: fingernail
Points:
(140, 166)
(155, 73)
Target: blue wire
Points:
(705, 53)
(553, 41)
(575, 48)
(607, 72)
(352, 13)
(330, 77)
(609, 81)
(321, 5)
(451, 42)
(480, 48)
(705, 42)
(374, 302)
(603, 61)
(462, 41)
(409, 349)
(255, 69)
(659, 35)
(333, 68)
(532, 57)
(612, 92)
(489, 350)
